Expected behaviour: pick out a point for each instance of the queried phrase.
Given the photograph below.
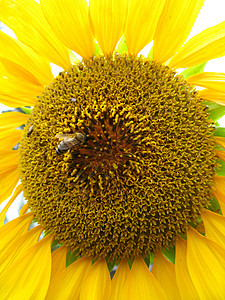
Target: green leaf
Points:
(193, 70)
(98, 50)
(111, 265)
(149, 260)
(217, 113)
(122, 47)
(220, 131)
(27, 110)
(170, 254)
(71, 257)
(221, 170)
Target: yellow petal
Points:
(13, 50)
(210, 80)
(184, 282)
(108, 19)
(17, 191)
(24, 209)
(164, 271)
(20, 90)
(206, 45)
(97, 284)
(221, 155)
(17, 102)
(28, 276)
(10, 138)
(8, 181)
(212, 95)
(58, 261)
(141, 283)
(12, 119)
(13, 229)
(174, 26)
(8, 159)
(214, 226)
(69, 21)
(11, 70)
(66, 285)
(220, 140)
(119, 279)
(219, 191)
(20, 245)
(141, 23)
(206, 265)
(26, 19)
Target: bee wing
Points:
(64, 135)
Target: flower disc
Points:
(141, 174)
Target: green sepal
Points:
(221, 170)
(220, 131)
(149, 259)
(193, 70)
(111, 265)
(71, 257)
(150, 54)
(214, 205)
(170, 254)
(27, 110)
(55, 245)
(122, 47)
(98, 50)
(217, 113)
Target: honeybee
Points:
(69, 141)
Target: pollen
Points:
(141, 169)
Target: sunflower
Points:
(120, 159)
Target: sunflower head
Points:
(126, 182)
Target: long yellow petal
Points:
(13, 50)
(12, 119)
(206, 265)
(8, 159)
(69, 21)
(142, 19)
(13, 71)
(17, 191)
(219, 191)
(13, 229)
(119, 279)
(23, 209)
(58, 261)
(10, 138)
(20, 245)
(210, 80)
(220, 140)
(97, 284)
(8, 181)
(108, 19)
(212, 95)
(184, 282)
(141, 283)
(26, 19)
(214, 226)
(164, 271)
(174, 26)
(206, 45)
(221, 154)
(17, 102)
(28, 276)
(67, 284)
(20, 90)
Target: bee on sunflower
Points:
(120, 160)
